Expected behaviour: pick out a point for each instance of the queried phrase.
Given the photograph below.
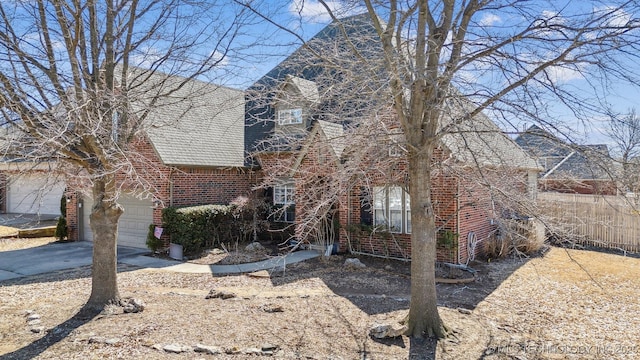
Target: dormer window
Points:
(289, 116)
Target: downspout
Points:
(458, 216)
(171, 186)
(79, 214)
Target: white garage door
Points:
(34, 194)
(134, 222)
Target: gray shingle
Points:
(479, 141)
(200, 124)
(565, 161)
(334, 134)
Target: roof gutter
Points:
(27, 165)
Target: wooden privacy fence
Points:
(602, 221)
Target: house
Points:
(577, 169)
(28, 187)
(190, 151)
(303, 144)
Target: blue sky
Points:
(261, 46)
(309, 19)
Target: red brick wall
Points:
(461, 205)
(3, 192)
(475, 214)
(177, 186)
(199, 186)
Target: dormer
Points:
(295, 101)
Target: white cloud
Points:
(552, 17)
(614, 16)
(563, 74)
(314, 11)
(489, 20)
(146, 58)
(219, 58)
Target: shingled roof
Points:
(476, 141)
(479, 141)
(565, 161)
(200, 124)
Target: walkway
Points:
(278, 262)
(62, 256)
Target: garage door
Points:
(34, 194)
(134, 222)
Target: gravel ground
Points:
(569, 304)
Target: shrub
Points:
(153, 243)
(199, 227)
(61, 227)
(516, 236)
(496, 247)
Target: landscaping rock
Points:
(37, 329)
(254, 247)
(33, 316)
(269, 347)
(252, 351)
(112, 341)
(215, 294)
(387, 331)
(131, 305)
(103, 340)
(211, 350)
(270, 308)
(175, 348)
(232, 350)
(354, 264)
(216, 251)
(464, 311)
(34, 322)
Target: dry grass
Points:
(12, 243)
(571, 300)
(570, 304)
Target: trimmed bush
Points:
(61, 227)
(200, 227)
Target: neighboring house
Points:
(371, 216)
(190, 152)
(582, 169)
(27, 187)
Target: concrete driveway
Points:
(61, 256)
(53, 257)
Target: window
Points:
(396, 150)
(289, 116)
(391, 208)
(283, 200)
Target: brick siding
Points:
(177, 186)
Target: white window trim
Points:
(289, 198)
(289, 193)
(291, 119)
(405, 211)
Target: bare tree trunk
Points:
(423, 318)
(104, 224)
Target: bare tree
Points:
(624, 131)
(79, 79)
(508, 58)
